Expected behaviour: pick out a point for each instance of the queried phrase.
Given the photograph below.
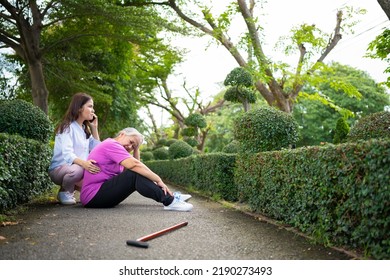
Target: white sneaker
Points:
(179, 205)
(185, 197)
(182, 197)
(66, 198)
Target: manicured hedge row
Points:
(338, 194)
(210, 173)
(23, 169)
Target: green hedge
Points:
(23, 170)
(265, 129)
(210, 173)
(23, 118)
(376, 125)
(338, 194)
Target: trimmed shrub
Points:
(161, 142)
(191, 141)
(232, 148)
(341, 131)
(23, 170)
(23, 118)
(189, 131)
(145, 156)
(180, 149)
(239, 77)
(241, 87)
(170, 142)
(235, 94)
(376, 125)
(195, 120)
(160, 153)
(265, 129)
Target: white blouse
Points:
(71, 144)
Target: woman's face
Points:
(87, 112)
(131, 143)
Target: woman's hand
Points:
(93, 125)
(91, 167)
(164, 188)
(94, 121)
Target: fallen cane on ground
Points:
(141, 242)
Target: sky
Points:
(207, 65)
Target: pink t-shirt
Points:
(108, 155)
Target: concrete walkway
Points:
(214, 232)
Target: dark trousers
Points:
(118, 188)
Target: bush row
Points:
(338, 194)
(209, 173)
(23, 169)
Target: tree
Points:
(113, 70)
(221, 126)
(192, 103)
(317, 122)
(379, 48)
(341, 131)
(29, 29)
(20, 29)
(279, 91)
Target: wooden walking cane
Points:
(141, 242)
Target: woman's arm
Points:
(136, 153)
(140, 168)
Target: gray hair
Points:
(130, 131)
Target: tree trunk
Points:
(385, 4)
(39, 90)
(26, 17)
(202, 140)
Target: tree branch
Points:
(15, 46)
(210, 109)
(11, 9)
(50, 5)
(298, 84)
(7, 18)
(276, 89)
(336, 37)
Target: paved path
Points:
(56, 232)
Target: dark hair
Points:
(73, 112)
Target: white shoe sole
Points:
(179, 206)
(178, 210)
